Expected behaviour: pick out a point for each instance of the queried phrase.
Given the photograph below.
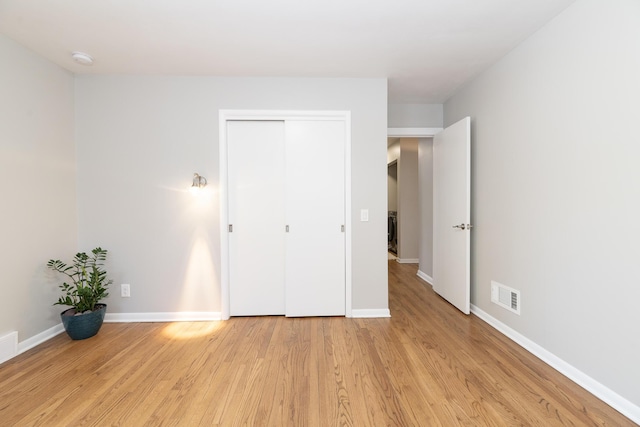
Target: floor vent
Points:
(505, 297)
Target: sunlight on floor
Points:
(190, 330)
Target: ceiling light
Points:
(82, 58)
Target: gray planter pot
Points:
(84, 325)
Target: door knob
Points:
(463, 226)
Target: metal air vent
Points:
(505, 297)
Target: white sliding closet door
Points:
(256, 204)
(315, 214)
(286, 204)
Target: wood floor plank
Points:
(338, 408)
(428, 365)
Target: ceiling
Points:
(426, 48)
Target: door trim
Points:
(227, 115)
(412, 132)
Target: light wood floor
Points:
(429, 365)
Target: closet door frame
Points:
(284, 115)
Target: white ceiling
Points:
(426, 48)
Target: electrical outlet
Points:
(125, 290)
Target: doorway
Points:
(392, 207)
(424, 136)
(403, 199)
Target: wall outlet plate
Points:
(125, 290)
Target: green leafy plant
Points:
(89, 282)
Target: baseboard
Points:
(425, 277)
(7, 350)
(210, 316)
(408, 260)
(370, 313)
(613, 399)
(8, 346)
(38, 339)
(178, 316)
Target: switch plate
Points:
(125, 290)
(364, 215)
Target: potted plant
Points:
(88, 286)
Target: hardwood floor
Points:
(429, 365)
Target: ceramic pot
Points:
(83, 325)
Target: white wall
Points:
(140, 139)
(415, 115)
(556, 188)
(425, 199)
(37, 182)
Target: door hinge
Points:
(342, 228)
(286, 228)
(230, 228)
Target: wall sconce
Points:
(198, 182)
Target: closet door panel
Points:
(256, 173)
(315, 214)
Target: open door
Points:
(452, 214)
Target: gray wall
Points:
(405, 152)
(415, 115)
(556, 188)
(425, 198)
(140, 139)
(37, 182)
(392, 187)
(408, 209)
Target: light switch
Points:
(364, 215)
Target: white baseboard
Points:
(370, 312)
(38, 339)
(7, 352)
(408, 260)
(8, 346)
(179, 316)
(613, 399)
(425, 277)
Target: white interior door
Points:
(315, 214)
(452, 214)
(256, 206)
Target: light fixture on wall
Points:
(199, 182)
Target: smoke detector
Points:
(82, 58)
